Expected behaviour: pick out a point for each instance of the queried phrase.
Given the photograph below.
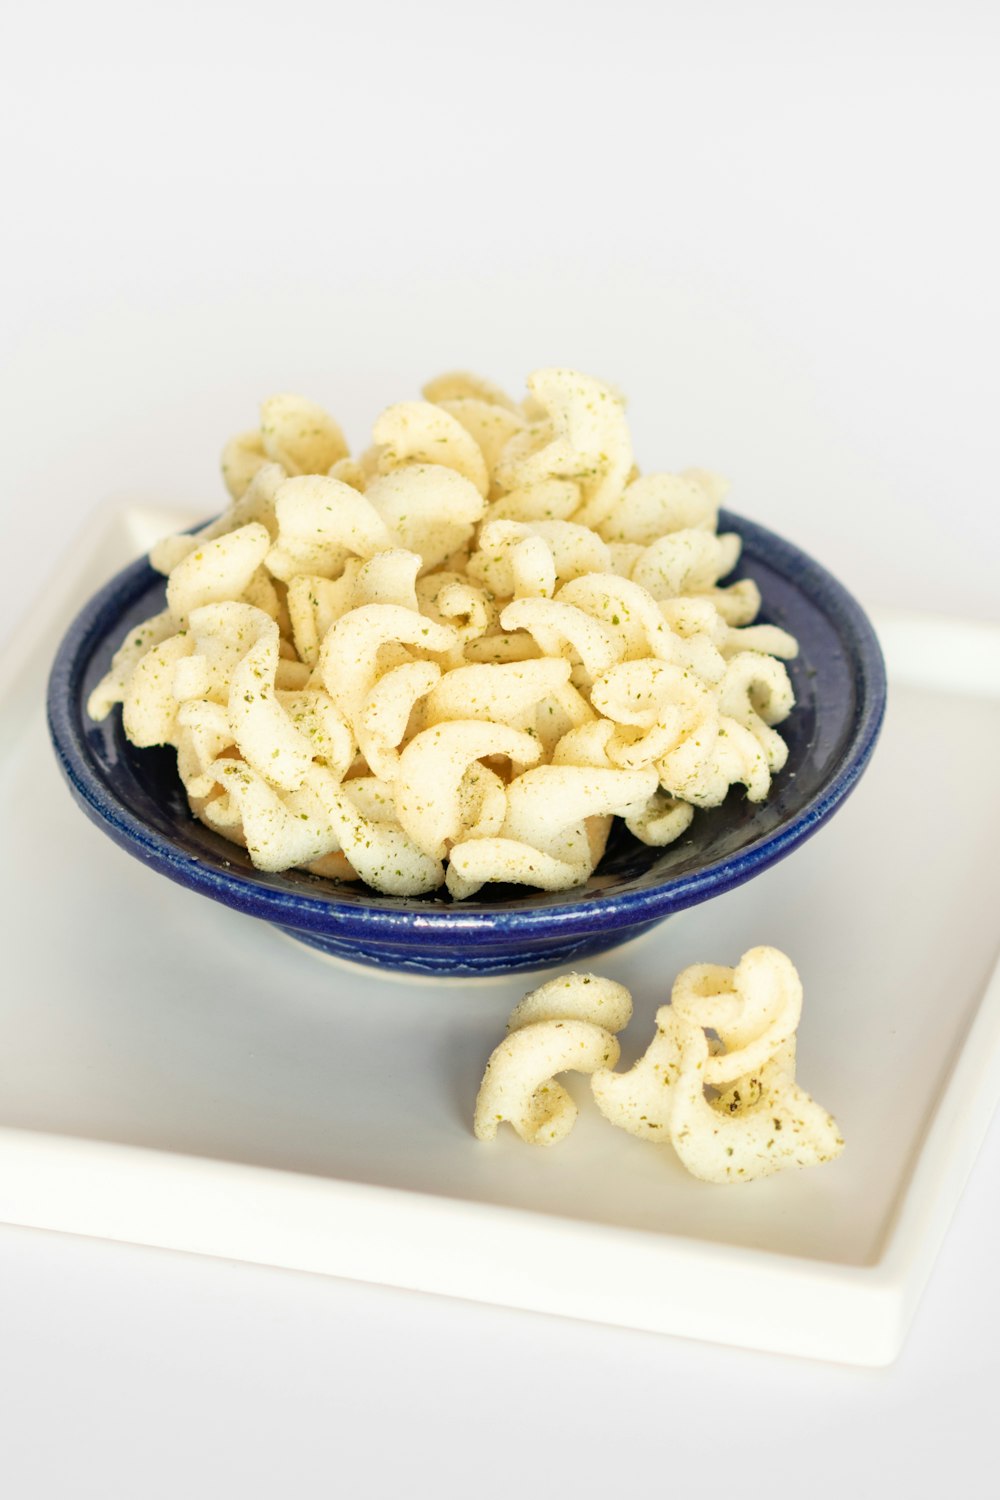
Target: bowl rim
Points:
(416, 921)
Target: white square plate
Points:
(175, 1074)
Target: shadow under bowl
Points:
(136, 798)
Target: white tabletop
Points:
(772, 226)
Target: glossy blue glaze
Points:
(136, 797)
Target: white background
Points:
(774, 226)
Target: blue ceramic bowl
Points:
(135, 796)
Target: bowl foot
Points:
(484, 967)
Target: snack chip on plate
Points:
(716, 1083)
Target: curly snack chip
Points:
(722, 1142)
(724, 1026)
(485, 563)
(519, 1082)
(418, 432)
(431, 768)
(491, 425)
(641, 1101)
(575, 997)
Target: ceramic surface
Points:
(136, 798)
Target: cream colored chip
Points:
(623, 557)
(335, 866)
(783, 1127)
(483, 802)
(431, 768)
(342, 611)
(586, 745)
(658, 504)
(430, 509)
(548, 500)
(372, 797)
(474, 862)
(716, 486)
(564, 710)
(218, 571)
(664, 714)
(757, 693)
(738, 604)
(386, 713)
(704, 776)
(533, 569)
(314, 604)
(378, 848)
(575, 997)
(713, 754)
(165, 554)
(763, 1121)
(207, 728)
(490, 425)
(389, 704)
(661, 821)
(264, 734)
(692, 616)
(770, 640)
(520, 464)
(241, 458)
(590, 441)
(738, 1096)
(280, 733)
(450, 600)
(576, 550)
(531, 558)
(687, 562)
(318, 720)
(321, 523)
(348, 471)
(463, 385)
(262, 594)
(547, 806)
(418, 432)
(300, 436)
(511, 561)
(505, 693)
(709, 642)
(149, 705)
(561, 629)
(502, 647)
(222, 635)
(389, 578)
(470, 611)
(281, 829)
(430, 586)
(637, 692)
(754, 1009)
(641, 1100)
(204, 732)
(114, 684)
(519, 1082)
(351, 658)
(626, 611)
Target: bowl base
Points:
(459, 968)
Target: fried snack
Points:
(566, 1024)
(729, 1107)
(489, 614)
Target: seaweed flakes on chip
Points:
(716, 1084)
(489, 612)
